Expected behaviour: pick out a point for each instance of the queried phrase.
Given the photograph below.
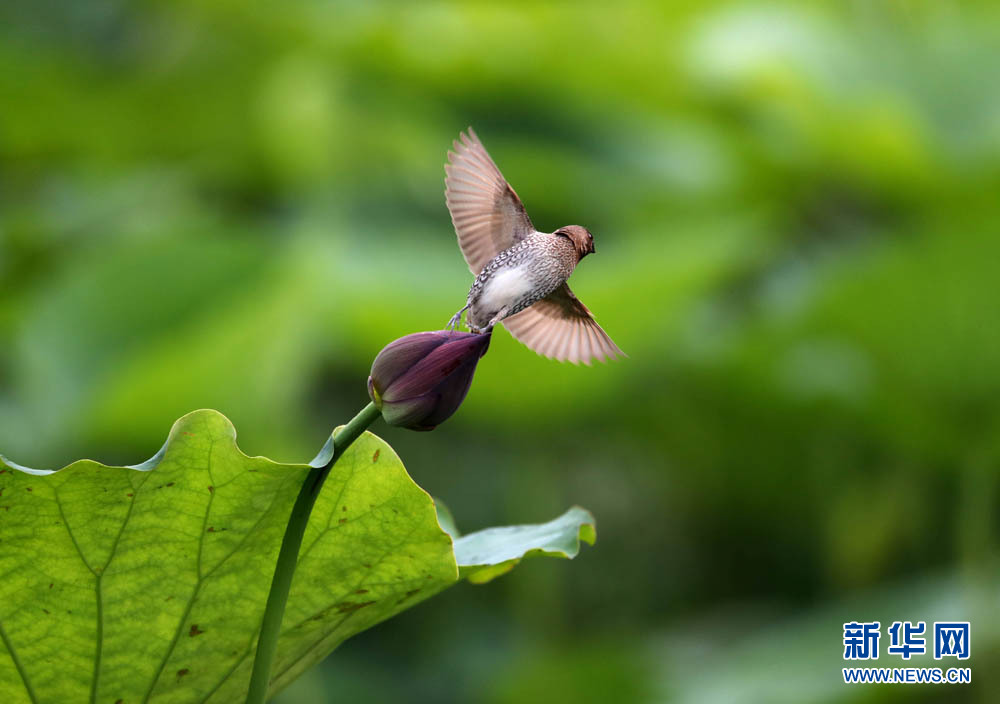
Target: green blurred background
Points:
(236, 205)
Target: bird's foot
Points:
(456, 320)
(480, 329)
(496, 319)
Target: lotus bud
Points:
(419, 380)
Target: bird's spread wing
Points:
(487, 214)
(560, 327)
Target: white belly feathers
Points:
(506, 287)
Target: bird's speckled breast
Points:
(521, 275)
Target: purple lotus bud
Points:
(418, 381)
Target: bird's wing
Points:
(560, 327)
(487, 214)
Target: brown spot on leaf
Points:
(118, 701)
(375, 456)
(211, 488)
(361, 591)
(130, 495)
(211, 529)
(346, 607)
(342, 520)
(46, 611)
(366, 565)
(343, 508)
(195, 631)
(27, 488)
(183, 671)
(170, 483)
(50, 584)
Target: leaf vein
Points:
(253, 636)
(194, 593)
(17, 664)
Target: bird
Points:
(520, 272)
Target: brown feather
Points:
(583, 241)
(486, 212)
(561, 327)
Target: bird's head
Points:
(581, 238)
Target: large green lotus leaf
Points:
(148, 583)
(151, 584)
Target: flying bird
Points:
(520, 272)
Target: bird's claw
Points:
(456, 319)
(496, 319)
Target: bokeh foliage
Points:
(794, 208)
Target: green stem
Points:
(281, 583)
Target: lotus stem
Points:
(288, 555)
